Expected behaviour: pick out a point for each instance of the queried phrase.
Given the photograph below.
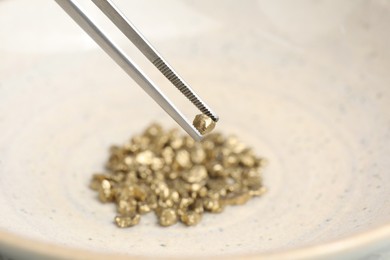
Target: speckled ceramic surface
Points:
(305, 83)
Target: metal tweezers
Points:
(128, 29)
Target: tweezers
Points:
(73, 9)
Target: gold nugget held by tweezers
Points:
(202, 125)
(177, 178)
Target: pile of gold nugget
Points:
(177, 178)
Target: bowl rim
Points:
(353, 245)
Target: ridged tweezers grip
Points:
(132, 33)
(182, 87)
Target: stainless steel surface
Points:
(131, 32)
(79, 16)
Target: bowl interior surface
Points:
(306, 84)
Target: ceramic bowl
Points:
(305, 83)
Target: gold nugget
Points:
(127, 221)
(204, 124)
(167, 217)
(178, 179)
